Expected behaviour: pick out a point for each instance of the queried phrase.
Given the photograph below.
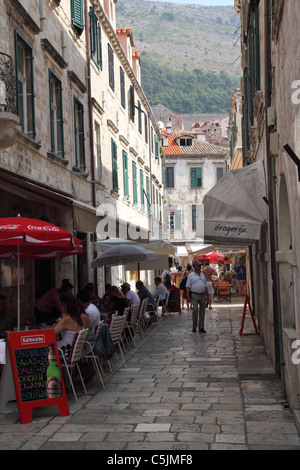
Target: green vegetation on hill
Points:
(187, 92)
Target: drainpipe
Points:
(272, 204)
(91, 129)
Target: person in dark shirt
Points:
(145, 294)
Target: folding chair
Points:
(89, 354)
(116, 330)
(141, 316)
(74, 357)
(132, 324)
(155, 311)
(166, 305)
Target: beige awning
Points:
(234, 209)
(85, 218)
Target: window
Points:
(134, 183)
(111, 73)
(156, 147)
(56, 115)
(77, 16)
(125, 174)
(169, 177)
(196, 178)
(185, 142)
(174, 219)
(148, 197)
(139, 117)
(131, 100)
(25, 91)
(142, 189)
(220, 173)
(122, 88)
(79, 135)
(146, 128)
(95, 38)
(195, 216)
(98, 161)
(114, 157)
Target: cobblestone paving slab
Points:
(181, 391)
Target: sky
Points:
(202, 2)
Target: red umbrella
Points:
(27, 238)
(213, 257)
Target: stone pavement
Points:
(181, 391)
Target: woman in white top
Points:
(70, 323)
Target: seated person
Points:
(115, 301)
(95, 299)
(48, 307)
(90, 309)
(130, 295)
(71, 322)
(160, 290)
(145, 294)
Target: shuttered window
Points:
(125, 174)
(56, 115)
(169, 177)
(79, 134)
(142, 189)
(111, 72)
(114, 157)
(25, 88)
(122, 88)
(95, 38)
(134, 183)
(148, 195)
(196, 178)
(77, 15)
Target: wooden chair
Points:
(223, 291)
(74, 358)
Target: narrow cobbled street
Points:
(180, 391)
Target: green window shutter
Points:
(169, 177)
(77, 15)
(142, 188)
(156, 147)
(196, 178)
(134, 183)
(148, 195)
(125, 174)
(114, 157)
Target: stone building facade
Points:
(86, 146)
(192, 167)
(270, 124)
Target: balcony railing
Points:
(7, 84)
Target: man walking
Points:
(196, 290)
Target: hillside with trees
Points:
(189, 53)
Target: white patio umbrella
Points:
(124, 254)
(158, 245)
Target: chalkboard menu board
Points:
(36, 372)
(32, 364)
(174, 299)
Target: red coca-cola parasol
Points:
(25, 238)
(213, 257)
